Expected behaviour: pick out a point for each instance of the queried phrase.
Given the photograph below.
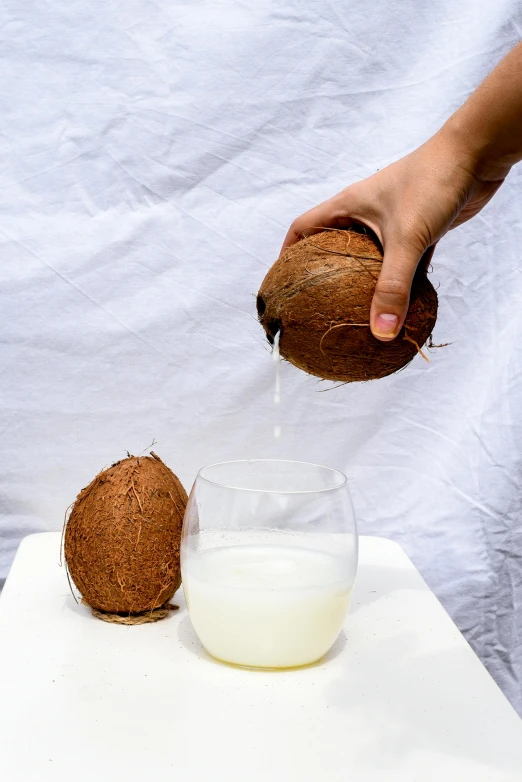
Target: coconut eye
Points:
(272, 327)
(261, 306)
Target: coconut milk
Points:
(266, 606)
(276, 358)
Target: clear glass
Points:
(269, 557)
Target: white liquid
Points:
(276, 358)
(266, 606)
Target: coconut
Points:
(318, 296)
(122, 539)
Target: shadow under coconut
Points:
(70, 604)
(190, 641)
(79, 608)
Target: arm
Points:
(411, 204)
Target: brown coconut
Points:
(122, 538)
(318, 295)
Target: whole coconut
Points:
(122, 538)
(318, 295)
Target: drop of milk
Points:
(276, 358)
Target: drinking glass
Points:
(269, 557)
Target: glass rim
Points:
(222, 485)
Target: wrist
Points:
(475, 148)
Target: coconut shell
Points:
(122, 538)
(318, 295)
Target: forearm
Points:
(487, 129)
(412, 203)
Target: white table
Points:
(401, 697)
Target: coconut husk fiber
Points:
(122, 540)
(318, 295)
(145, 617)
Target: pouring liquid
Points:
(276, 358)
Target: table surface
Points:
(400, 697)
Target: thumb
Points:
(392, 292)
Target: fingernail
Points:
(386, 325)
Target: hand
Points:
(409, 205)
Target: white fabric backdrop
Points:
(152, 155)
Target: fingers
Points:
(401, 257)
(392, 292)
(329, 214)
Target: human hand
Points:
(409, 205)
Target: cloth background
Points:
(152, 156)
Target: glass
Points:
(269, 557)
